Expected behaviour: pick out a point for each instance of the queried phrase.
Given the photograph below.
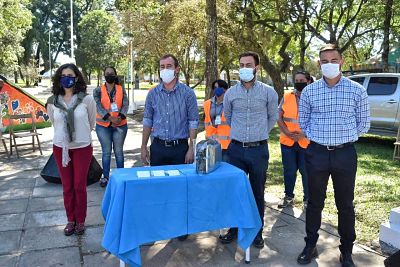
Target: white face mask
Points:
(167, 75)
(246, 74)
(330, 70)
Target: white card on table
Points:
(173, 172)
(158, 173)
(143, 174)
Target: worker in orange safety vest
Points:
(214, 120)
(293, 142)
(111, 124)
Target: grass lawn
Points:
(377, 185)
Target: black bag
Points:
(50, 171)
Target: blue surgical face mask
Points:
(246, 74)
(67, 82)
(219, 91)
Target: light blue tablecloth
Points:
(141, 210)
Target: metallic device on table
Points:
(208, 156)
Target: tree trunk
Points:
(86, 76)
(386, 33)
(277, 82)
(211, 46)
(16, 76)
(187, 78)
(275, 74)
(303, 45)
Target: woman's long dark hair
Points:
(115, 71)
(80, 84)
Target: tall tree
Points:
(264, 27)
(340, 21)
(100, 46)
(53, 16)
(211, 46)
(386, 34)
(15, 20)
(174, 26)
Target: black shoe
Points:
(346, 260)
(103, 182)
(182, 237)
(229, 236)
(258, 241)
(307, 255)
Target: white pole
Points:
(72, 33)
(50, 53)
(132, 104)
(247, 257)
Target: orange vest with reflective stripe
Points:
(105, 102)
(290, 118)
(221, 132)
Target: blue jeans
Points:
(111, 138)
(293, 159)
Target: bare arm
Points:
(144, 152)
(189, 158)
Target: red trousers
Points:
(73, 178)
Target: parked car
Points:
(384, 98)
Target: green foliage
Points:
(54, 16)
(100, 44)
(157, 28)
(15, 20)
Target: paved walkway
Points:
(32, 219)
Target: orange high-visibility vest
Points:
(290, 118)
(105, 102)
(221, 132)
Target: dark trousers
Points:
(254, 162)
(293, 159)
(341, 165)
(167, 155)
(73, 179)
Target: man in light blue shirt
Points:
(333, 113)
(171, 116)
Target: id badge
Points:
(114, 107)
(218, 120)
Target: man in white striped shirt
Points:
(251, 109)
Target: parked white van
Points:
(384, 98)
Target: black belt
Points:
(250, 144)
(169, 143)
(330, 148)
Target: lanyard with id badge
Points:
(217, 120)
(114, 106)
